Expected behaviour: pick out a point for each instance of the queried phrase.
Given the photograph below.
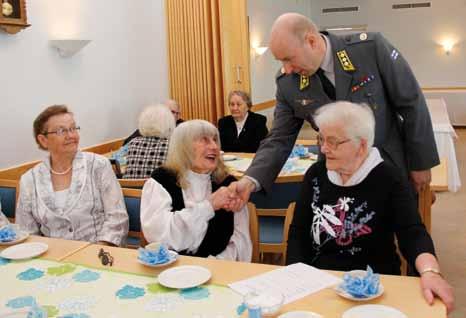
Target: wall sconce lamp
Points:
(67, 48)
(448, 46)
(259, 50)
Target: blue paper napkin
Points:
(7, 234)
(159, 256)
(361, 287)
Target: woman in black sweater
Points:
(353, 204)
(243, 130)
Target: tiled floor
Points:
(449, 231)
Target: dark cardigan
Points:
(221, 226)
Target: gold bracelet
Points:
(432, 270)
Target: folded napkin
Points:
(361, 286)
(7, 234)
(299, 151)
(154, 257)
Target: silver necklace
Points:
(61, 173)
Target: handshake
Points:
(233, 197)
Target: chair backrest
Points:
(132, 183)
(133, 206)
(273, 231)
(9, 191)
(116, 168)
(254, 232)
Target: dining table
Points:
(92, 287)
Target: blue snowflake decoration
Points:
(21, 302)
(4, 261)
(195, 293)
(86, 276)
(37, 312)
(30, 274)
(130, 292)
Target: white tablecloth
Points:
(444, 134)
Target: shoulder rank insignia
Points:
(345, 61)
(303, 82)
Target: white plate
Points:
(229, 157)
(344, 294)
(300, 314)
(372, 311)
(184, 276)
(173, 258)
(24, 251)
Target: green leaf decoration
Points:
(155, 288)
(61, 270)
(52, 311)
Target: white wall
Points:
(106, 84)
(415, 32)
(262, 14)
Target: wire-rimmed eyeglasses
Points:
(331, 142)
(62, 131)
(105, 257)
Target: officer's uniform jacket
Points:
(368, 69)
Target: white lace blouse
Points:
(185, 229)
(94, 209)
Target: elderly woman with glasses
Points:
(183, 204)
(71, 194)
(353, 204)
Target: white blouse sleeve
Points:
(24, 211)
(179, 230)
(240, 247)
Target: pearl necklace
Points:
(60, 173)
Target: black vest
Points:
(221, 226)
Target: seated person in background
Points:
(71, 194)
(183, 203)
(3, 219)
(243, 130)
(149, 151)
(175, 110)
(353, 204)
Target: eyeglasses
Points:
(332, 142)
(62, 131)
(105, 257)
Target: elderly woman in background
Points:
(243, 130)
(353, 204)
(183, 203)
(176, 112)
(149, 151)
(71, 194)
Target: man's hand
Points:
(239, 193)
(420, 179)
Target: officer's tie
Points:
(329, 89)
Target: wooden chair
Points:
(9, 192)
(132, 183)
(254, 232)
(273, 226)
(133, 206)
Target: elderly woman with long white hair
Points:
(183, 203)
(149, 151)
(353, 204)
(71, 194)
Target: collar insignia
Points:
(345, 61)
(303, 82)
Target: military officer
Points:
(361, 68)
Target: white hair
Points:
(181, 150)
(156, 121)
(357, 119)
